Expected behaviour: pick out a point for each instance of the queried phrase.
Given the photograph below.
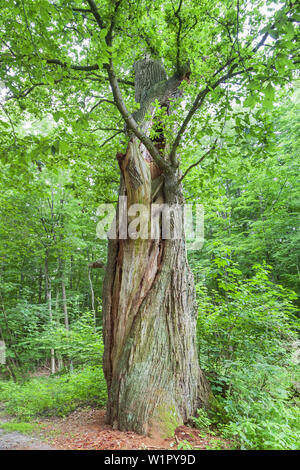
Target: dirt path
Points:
(18, 441)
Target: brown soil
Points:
(87, 430)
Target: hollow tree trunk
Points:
(149, 325)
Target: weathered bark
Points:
(149, 325)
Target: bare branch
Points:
(26, 92)
(11, 123)
(80, 68)
(95, 12)
(112, 24)
(100, 102)
(120, 80)
(110, 138)
(8, 47)
(82, 10)
(84, 68)
(177, 15)
(106, 129)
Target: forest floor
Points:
(86, 429)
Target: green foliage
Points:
(55, 396)
(184, 445)
(202, 421)
(46, 225)
(269, 424)
(82, 343)
(251, 204)
(246, 333)
(215, 444)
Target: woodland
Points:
(175, 102)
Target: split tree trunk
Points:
(149, 325)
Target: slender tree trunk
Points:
(150, 357)
(40, 284)
(60, 364)
(65, 305)
(21, 282)
(92, 295)
(64, 299)
(71, 272)
(9, 359)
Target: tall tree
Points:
(79, 59)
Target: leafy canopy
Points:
(63, 58)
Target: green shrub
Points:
(270, 424)
(202, 420)
(82, 343)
